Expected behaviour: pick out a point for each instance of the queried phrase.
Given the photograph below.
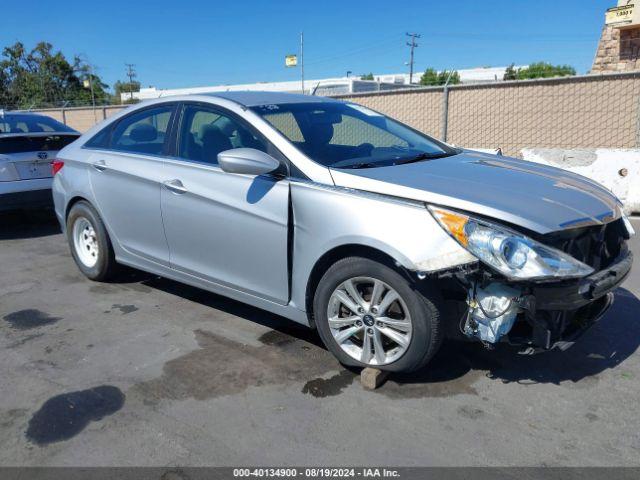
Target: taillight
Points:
(56, 166)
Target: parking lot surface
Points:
(146, 371)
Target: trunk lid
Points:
(32, 154)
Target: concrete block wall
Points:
(618, 50)
(616, 169)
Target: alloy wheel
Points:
(369, 320)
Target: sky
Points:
(190, 43)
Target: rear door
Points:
(226, 228)
(126, 179)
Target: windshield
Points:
(29, 123)
(344, 135)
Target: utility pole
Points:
(87, 70)
(131, 73)
(93, 98)
(413, 45)
(302, 61)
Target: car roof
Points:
(20, 113)
(256, 98)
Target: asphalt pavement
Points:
(146, 371)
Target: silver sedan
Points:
(340, 218)
(28, 144)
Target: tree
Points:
(432, 77)
(449, 77)
(368, 76)
(43, 77)
(510, 73)
(429, 77)
(125, 87)
(538, 70)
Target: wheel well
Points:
(71, 203)
(332, 256)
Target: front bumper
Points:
(556, 315)
(576, 294)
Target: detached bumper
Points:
(26, 199)
(558, 314)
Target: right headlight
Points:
(514, 255)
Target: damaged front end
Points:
(568, 284)
(521, 315)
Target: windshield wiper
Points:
(423, 156)
(359, 165)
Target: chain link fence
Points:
(593, 111)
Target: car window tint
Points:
(30, 123)
(100, 139)
(204, 133)
(143, 132)
(351, 131)
(344, 135)
(286, 124)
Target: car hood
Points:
(537, 197)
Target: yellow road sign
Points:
(291, 60)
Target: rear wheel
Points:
(369, 315)
(89, 242)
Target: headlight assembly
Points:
(514, 255)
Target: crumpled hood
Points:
(533, 196)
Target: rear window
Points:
(35, 144)
(30, 123)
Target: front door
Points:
(126, 180)
(226, 228)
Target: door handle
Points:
(100, 165)
(175, 186)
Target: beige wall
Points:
(81, 118)
(595, 111)
(578, 112)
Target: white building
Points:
(325, 86)
(467, 75)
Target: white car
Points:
(28, 144)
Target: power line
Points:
(357, 50)
(413, 46)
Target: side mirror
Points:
(247, 160)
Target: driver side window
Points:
(143, 132)
(204, 133)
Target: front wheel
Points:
(368, 315)
(89, 242)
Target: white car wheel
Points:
(85, 242)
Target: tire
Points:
(94, 255)
(423, 309)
